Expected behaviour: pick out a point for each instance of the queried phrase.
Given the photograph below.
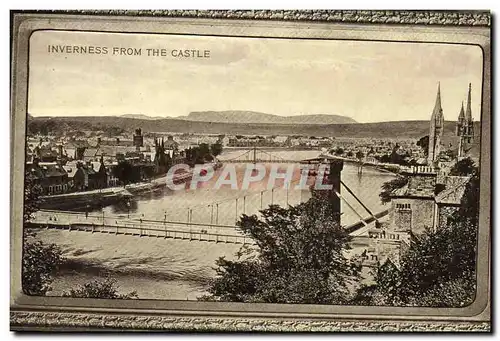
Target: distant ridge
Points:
(395, 129)
(241, 116)
(141, 117)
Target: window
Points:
(405, 207)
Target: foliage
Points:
(124, 171)
(349, 154)
(111, 131)
(298, 259)
(464, 167)
(338, 151)
(106, 288)
(423, 143)
(32, 200)
(40, 261)
(438, 269)
(216, 149)
(50, 126)
(390, 186)
(202, 153)
(359, 155)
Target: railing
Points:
(260, 161)
(148, 231)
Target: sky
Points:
(367, 81)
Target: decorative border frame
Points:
(452, 18)
(80, 322)
(32, 319)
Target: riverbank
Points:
(168, 268)
(86, 199)
(98, 198)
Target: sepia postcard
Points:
(251, 171)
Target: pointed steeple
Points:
(468, 112)
(437, 106)
(437, 113)
(461, 116)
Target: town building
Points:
(138, 139)
(51, 176)
(427, 200)
(90, 176)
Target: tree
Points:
(106, 288)
(124, 172)
(423, 143)
(464, 167)
(339, 151)
(32, 200)
(385, 291)
(216, 149)
(40, 261)
(390, 186)
(297, 259)
(111, 131)
(204, 149)
(359, 155)
(349, 154)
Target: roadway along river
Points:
(179, 269)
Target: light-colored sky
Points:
(368, 81)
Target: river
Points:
(158, 268)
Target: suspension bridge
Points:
(217, 225)
(256, 155)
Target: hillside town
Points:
(76, 163)
(426, 196)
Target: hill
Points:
(141, 116)
(396, 129)
(238, 116)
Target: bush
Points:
(298, 259)
(106, 288)
(390, 186)
(40, 261)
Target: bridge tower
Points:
(332, 195)
(334, 178)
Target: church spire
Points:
(435, 130)
(461, 116)
(437, 113)
(468, 112)
(437, 107)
